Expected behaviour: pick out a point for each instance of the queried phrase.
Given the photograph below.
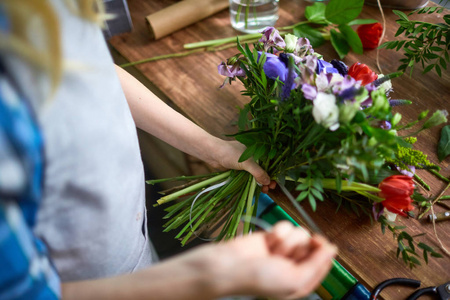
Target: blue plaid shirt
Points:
(25, 269)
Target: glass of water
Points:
(250, 16)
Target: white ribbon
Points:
(213, 187)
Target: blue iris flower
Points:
(324, 66)
(278, 67)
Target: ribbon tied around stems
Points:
(211, 188)
(266, 226)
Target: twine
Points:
(382, 35)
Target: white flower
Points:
(325, 111)
(387, 85)
(291, 42)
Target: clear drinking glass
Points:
(250, 16)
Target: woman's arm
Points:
(284, 264)
(155, 117)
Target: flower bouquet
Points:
(321, 127)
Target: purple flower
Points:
(308, 69)
(377, 210)
(345, 84)
(348, 88)
(271, 38)
(325, 67)
(409, 172)
(398, 102)
(303, 47)
(279, 67)
(385, 125)
(340, 66)
(274, 67)
(290, 83)
(231, 70)
(309, 91)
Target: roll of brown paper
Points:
(182, 14)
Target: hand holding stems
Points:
(155, 117)
(227, 155)
(284, 263)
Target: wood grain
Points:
(191, 83)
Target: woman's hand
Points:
(285, 263)
(225, 154)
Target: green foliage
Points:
(406, 157)
(315, 37)
(333, 21)
(444, 143)
(406, 244)
(343, 12)
(424, 43)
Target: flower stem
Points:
(192, 188)
(250, 206)
(422, 183)
(180, 178)
(330, 184)
(218, 42)
(164, 56)
(438, 175)
(371, 196)
(290, 27)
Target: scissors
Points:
(441, 292)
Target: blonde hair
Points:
(43, 50)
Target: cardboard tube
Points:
(182, 14)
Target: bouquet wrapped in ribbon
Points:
(327, 128)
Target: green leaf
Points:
(248, 153)
(243, 118)
(342, 12)
(401, 15)
(400, 31)
(312, 202)
(272, 153)
(443, 63)
(437, 255)
(438, 70)
(361, 22)
(316, 12)
(400, 45)
(259, 152)
(352, 38)
(428, 69)
(444, 143)
(339, 43)
(338, 183)
(415, 260)
(317, 194)
(248, 138)
(302, 187)
(302, 195)
(315, 37)
(425, 247)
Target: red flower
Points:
(362, 72)
(370, 35)
(397, 191)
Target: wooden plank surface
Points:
(191, 83)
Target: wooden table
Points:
(191, 85)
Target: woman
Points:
(91, 202)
